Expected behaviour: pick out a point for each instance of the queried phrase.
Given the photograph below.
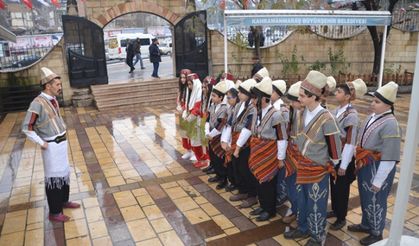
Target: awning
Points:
(7, 35)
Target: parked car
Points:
(166, 49)
(26, 61)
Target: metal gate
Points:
(191, 44)
(85, 50)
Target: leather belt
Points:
(58, 139)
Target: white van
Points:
(116, 46)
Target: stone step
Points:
(160, 100)
(139, 94)
(169, 82)
(134, 89)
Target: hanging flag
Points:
(28, 3)
(2, 4)
(56, 3)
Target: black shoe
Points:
(222, 184)
(231, 187)
(358, 228)
(214, 179)
(257, 211)
(370, 239)
(211, 171)
(330, 214)
(339, 224)
(312, 242)
(207, 168)
(142, 67)
(295, 234)
(131, 70)
(264, 216)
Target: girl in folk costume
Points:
(233, 100)
(279, 87)
(290, 162)
(239, 131)
(347, 118)
(44, 125)
(377, 152)
(207, 85)
(193, 115)
(217, 118)
(181, 107)
(318, 150)
(267, 149)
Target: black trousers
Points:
(57, 197)
(340, 191)
(218, 164)
(246, 182)
(267, 195)
(230, 174)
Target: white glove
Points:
(184, 115)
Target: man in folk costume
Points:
(279, 87)
(193, 115)
(347, 118)
(239, 128)
(262, 73)
(290, 161)
(207, 84)
(377, 152)
(44, 125)
(267, 149)
(217, 118)
(181, 106)
(318, 150)
(233, 100)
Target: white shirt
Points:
(241, 109)
(311, 114)
(278, 103)
(375, 117)
(340, 111)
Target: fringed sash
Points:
(290, 161)
(229, 153)
(309, 172)
(263, 161)
(215, 144)
(365, 157)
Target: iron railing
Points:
(16, 58)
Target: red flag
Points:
(56, 3)
(2, 4)
(28, 3)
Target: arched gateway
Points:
(84, 44)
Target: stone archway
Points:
(130, 7)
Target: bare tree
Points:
(377, 36)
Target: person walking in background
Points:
(155, 57)
(130, 55)
(44, 125)
(137, 52)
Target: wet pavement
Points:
(118, 70)
(134, 188)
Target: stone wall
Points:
(357, 51)
(103, 11)
(55, 60)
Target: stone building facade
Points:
(357, 51)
